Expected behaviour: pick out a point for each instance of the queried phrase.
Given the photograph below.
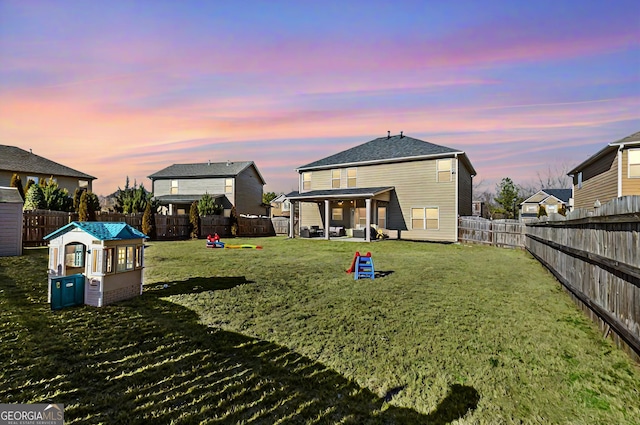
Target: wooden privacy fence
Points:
(596, 258)
(501, 233)
(39, 223)
(281, 225)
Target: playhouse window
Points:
(108, 260)
(74, 255)
(126, 258)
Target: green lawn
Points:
(459, 333)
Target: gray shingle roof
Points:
(18, 160)
(562, 194)
(202, 170)
(360, 192)
(383, 149)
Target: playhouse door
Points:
(67, 291)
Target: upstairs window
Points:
(634, 163)
(335, 179)
(444, 170)
(352, 177)
(580, 180)
(174, 187)
(306, 181)
(228, 185)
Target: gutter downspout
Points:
(457, 212)
(620, 170)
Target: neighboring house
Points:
(397, 183)
(28, 165)
(611, 173)
(280, 206)
(10, 222)
(236, 184)
(551, 199)
(108, 258)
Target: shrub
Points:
(207, 206)
(83, 209)
(16, 182)
(542, 211)
(194, 220)
(148, 223)
(34, 199)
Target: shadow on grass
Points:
(148, 360)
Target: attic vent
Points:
(228, 162)
(401, 136)
(209, 162)
(388, 134)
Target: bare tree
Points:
(554, 177)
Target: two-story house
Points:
(236, 184)
(551, 199)
(396, 183)
(30, 166)
(612, 172)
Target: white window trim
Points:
(356, 177)
(339, 178)
(302, 180)
(629, 164)
(228, 188)
(424, 218)
(333, 215)
(438, 162)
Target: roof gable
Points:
(385, 149)
(101, 230)
(18, 160)
(632, 140)
(204, 170)
(544, 194)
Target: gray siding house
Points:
(236, 184)
(31, 166)
(396, 184)
(10, 222)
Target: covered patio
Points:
(351, 212)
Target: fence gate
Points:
(67, 291)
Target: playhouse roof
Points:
(101, 230)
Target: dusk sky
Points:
(126, 88)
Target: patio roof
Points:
(183, 199)
(352, 193)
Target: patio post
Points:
(326, 219)
(367, 231)
(292, 218)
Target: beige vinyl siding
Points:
(415, 187)
(69, 183)
(310, 214)
(630, 186)
(465, 187)
(599, 181)
(248, 192)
